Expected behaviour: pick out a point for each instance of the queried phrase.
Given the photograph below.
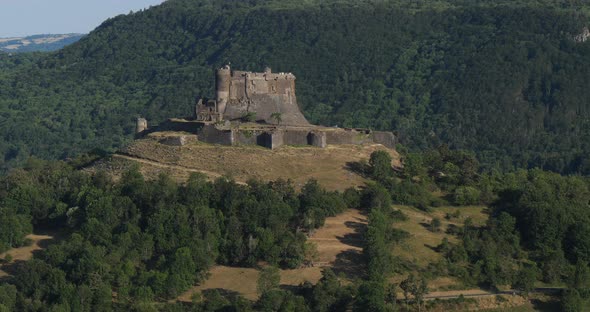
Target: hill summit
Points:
(506, 79)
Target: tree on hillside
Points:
(269, 279)
(435, 225)
(380, 164)
(421, 291)
(391, 295)
(525, 279)
(417, 288)
(408, 287)
(371, 297)
(571, 301)
(580, 277)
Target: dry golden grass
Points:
(340, 233)
(477, 213)
(339, 244)
(26, 252)
(328, 165)
(444, 284)
(419, 248)
(227, 279)
(339, 236)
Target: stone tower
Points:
(141, 125)
(222, 85)
(266, 94)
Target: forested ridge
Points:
(505, 79)
(136, 244)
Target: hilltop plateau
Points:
(330, 166)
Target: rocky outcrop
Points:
(583, 36)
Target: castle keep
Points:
(263, 94)
(256, 109)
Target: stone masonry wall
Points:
(387, 139)
(317, 139)
(210, 134)
(179, 140)
(179, 126)
(295, 137)
(246, 137)
(346, 136)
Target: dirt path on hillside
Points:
(211, 175)
(330, 165)
(164, 165)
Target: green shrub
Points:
(466, 195)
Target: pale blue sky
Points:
(31, 17)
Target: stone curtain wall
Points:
(387, 139)
(212, 135)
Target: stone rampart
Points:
(210, 134)
(384, 138)
(295, 137)
(247, 137)
(178, 140)
(349, 136)
(178, 125)
(317, 139)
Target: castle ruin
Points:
(239, 93)
(258, 109)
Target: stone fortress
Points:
(255, 109)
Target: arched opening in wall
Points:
(264, 139)
(310, 138)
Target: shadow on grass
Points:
(433, 248)
(226, 293)
(349, 263)
(358, 167)
(546, 306)
(12, 269)
(354, 239)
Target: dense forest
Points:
(502, 78)
(146, 240)
(133, 244)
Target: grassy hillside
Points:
(502, 78)
(298, 164)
